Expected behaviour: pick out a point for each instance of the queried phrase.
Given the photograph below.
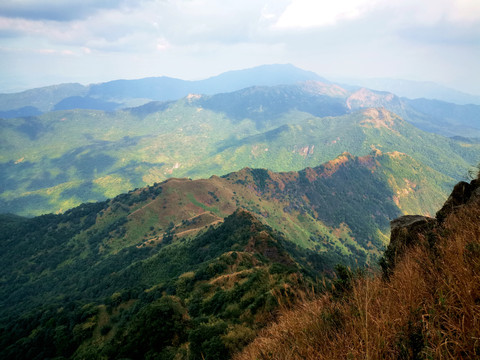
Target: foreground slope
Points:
(96, 273)
(426, 305)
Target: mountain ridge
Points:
(107, 154)
(416, 89)
(112, 94)
(121, 94)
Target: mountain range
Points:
(423, 305)
(416, 90)
(123, 93)
(186, 221)
(57, 160)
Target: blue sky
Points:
(88, 41)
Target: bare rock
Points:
(462, 193)
(405, 229)
(405, 232)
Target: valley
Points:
(141, 219)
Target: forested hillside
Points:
(210, 259)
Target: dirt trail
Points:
(180, 234)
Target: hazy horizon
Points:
(46, 42)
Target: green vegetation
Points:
(195, 268)
(140, 302)
(109, 279)
(57, 160)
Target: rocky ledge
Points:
(408, 230)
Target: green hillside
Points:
(195, 268)
(208, 295)
(60, 159)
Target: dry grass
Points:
(429, 309)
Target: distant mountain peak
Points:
(368, 98)
(417, 89)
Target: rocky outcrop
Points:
(461, 195)
(407, 230)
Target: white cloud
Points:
(59, 10)
(319, 13)
(465, 11)
(316, 13)
(198, 38)
(432, 12)
(162, 44)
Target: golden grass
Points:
(429, 309)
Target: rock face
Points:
(407, 230)
(462, 194)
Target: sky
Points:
(44, 42)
